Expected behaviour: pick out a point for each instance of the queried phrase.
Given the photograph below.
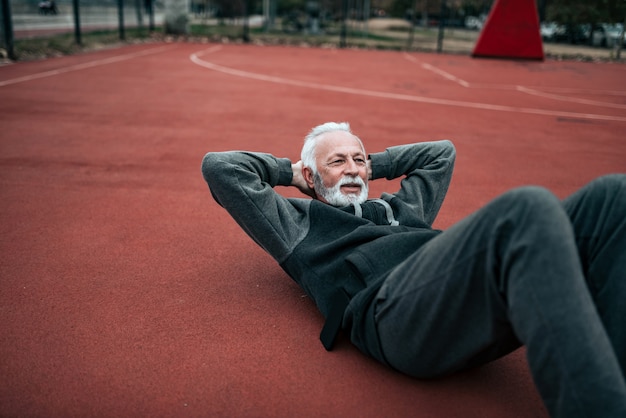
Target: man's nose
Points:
(351, 167)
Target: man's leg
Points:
(508, 273)
(598, 214)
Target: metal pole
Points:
(366, 12)
(76, 9)
(139, 14)
(441, 26)
(151, 13)
(120, 15)
(246, 26)
(272, 13)
(344, 18)
(7, 22)
(409, 44)
(618, 54)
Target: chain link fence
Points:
(32, 19)
(400, 25)
(345, 23)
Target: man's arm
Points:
(427, 167)
(243, 182)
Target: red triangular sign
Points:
(511, 31)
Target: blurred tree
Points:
(426, 8)
(228, 8)
(286, 6)
(575, 13)
(585, 11)
(176, 19)
(402, 8)
(476, 7)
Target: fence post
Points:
(344, 18)
(7, 23)
(442, 24)
(75, 8)
(409, 43)
(139, 14)
(246, 22)
(120, 16)
(150, 5)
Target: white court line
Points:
(445, 74)
(569, 90)
(84, 65)
(528, 90)
(568, 99)
(195, 58)
(441, 72)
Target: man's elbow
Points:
(448, 150)
(213, 166)
(207, 164)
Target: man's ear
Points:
(307, 173)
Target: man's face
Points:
(341, 177)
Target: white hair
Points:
(310, 141)
(333, 194)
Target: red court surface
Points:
(126, 291)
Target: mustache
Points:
(351, 180)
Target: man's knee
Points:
(608, 185)
(603, 197)
(530, 217)
(616, 179)
(531, 203)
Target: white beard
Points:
(333, 194)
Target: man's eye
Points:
(336, 162)
(359, 161)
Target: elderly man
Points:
(526, 269)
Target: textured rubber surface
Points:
(127, 291)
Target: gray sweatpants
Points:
(525, 269)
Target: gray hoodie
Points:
(339, 256)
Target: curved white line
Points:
(195, 58)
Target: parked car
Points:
(474, 23)
(48, 7)
(574, 34)
(551, 31)
(606, 34)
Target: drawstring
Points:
(389, 211)
(358, 211)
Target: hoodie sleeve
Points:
(427, 169)
(243, 184)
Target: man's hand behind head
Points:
(299, 181)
